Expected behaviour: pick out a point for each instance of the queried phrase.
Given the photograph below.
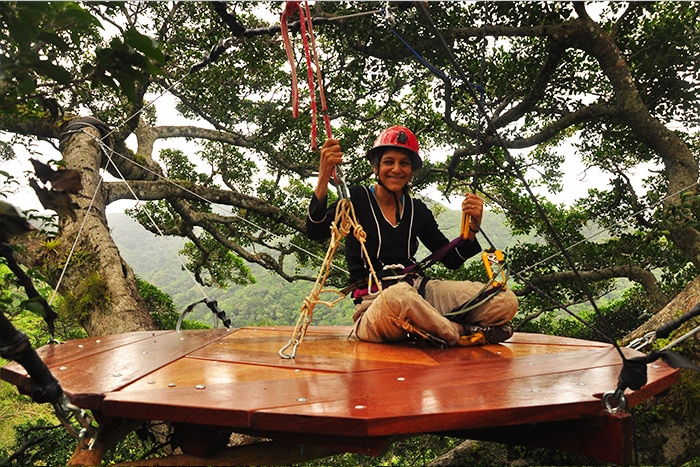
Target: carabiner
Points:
(618, 398)
(341, 186)
(294, 344)
(493, 257)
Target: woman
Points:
(393, 223)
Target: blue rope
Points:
(437, 72)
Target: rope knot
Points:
(360, 233)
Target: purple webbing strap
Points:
(435, 256)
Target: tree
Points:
(559, 74)
(618, 82)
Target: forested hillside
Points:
(271, 300)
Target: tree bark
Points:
(682, 303)
(98, 286)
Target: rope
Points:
(345, 221)
(307, 34)
(306, 26)
(153, 222)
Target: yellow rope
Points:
(345, 221)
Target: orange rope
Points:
(344, 222)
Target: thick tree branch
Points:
(156, 190)
(634, 273)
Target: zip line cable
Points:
(109, 150)
(75, 244)
(603, 231)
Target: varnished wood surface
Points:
(337, 387)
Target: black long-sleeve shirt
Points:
(385, 243)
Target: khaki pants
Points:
(388, 316)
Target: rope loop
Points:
(345, 220)
(344, 215)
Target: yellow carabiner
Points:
(493, 257)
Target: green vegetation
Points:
(30, 434)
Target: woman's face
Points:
(394, 170)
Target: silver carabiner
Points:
(643, 341)
(294, 344)
(341, 186)
(65, 410)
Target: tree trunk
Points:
(682, 303)
(98, 287)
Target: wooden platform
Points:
(351, 396)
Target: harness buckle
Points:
(392, 268)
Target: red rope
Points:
(307, 32)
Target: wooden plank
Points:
(66, 352)
(334, 352)
(397, 392)
(327, 352)
(86, 380)
(429, 409)
(549, 340)
(192, 372)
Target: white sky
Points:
(576, 180)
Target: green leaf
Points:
(55, 72)
(144, 44)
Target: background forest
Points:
(508, 99)
(270, 300)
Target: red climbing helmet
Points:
(398, 137)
